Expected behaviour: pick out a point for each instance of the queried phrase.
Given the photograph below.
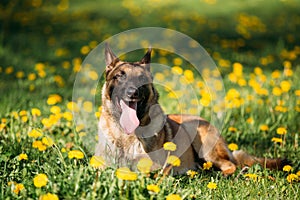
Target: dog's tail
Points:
(244, 159)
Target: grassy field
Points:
(255, 45)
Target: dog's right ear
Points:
(110, 58)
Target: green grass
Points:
(53, 37)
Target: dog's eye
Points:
(143, 79)
(121, 76)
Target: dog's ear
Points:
(110, 58)
(147, 59)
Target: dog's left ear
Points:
(110, 57)
(147, 58)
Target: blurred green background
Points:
(60, 33)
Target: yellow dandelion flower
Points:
(277, 91)
(232, 129)
(159, 77)
(292, 178)
(242, 82)
(177, 61)
(189, 75)
(40, 180)
(63, 150)
(35, 133)
(282, 109)
(232, 94)
(275, 74)
(85, 50)
(55, 109)
(79, 127)
(24, 119)
(39, 66)
(3, 120)
(173, 160)
(93, 75)
(51, 101)
(23, 156)
(97, 162)
(75, 154)
(53, 119)
(15, 115)
(20, 74)
(124, 173)
(35, 112)
(170, 146)
(233, 146)
(144, 165)
(31, 76)
(287, 64)
(212, 185)
(47, 141)
(205, 99)
(2, 126)
(285, 86)
(42, 74)
(93, 44)
(173, 197)
(153, 188)
(88, 106)
(77, 64)
(287, 168)
(281, 131)
(54, 99)
(264, 127)
(36, 143)
(9, 70)
(191, 173)
(49, 196)
(72, 106)
(61, 51)
(258, 71)
(22, 113)
(68, 116)
(177, 70)
(207, 165)
(276, 140)
(238, 69)
(39, 145)
(250, 120)
(18, 187)
(82, 134)
(46, 122)
(297, 93)
(288, 72)
(251, 176)
(224, 63)
(59, 81)
(97, 114)
(233, 78)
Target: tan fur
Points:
(196, 139)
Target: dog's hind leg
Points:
(210, 146)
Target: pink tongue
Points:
(128, 119)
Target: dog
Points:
(133, 125)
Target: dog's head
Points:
(129, 88)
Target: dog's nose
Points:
(132, 92)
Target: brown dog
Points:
(133, 125)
